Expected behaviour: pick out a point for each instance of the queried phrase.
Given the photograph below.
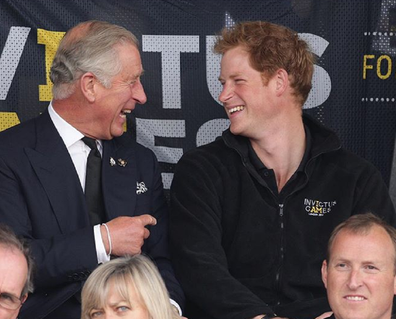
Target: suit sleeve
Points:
(198, 257)
(62, 258)
(156, 246)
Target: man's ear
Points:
(324, 273)
(282, 81)
(88, 85)
(23, 299)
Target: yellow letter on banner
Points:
(365, 65)
(389, 71)
(8, 119)
(51, 41)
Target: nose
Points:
(138, 93)
(355, 279)
(226, 93)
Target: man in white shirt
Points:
(75, 225)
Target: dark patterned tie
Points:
(93, 183)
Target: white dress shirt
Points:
(79, 152)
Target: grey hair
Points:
(10, 240)
(88, 47)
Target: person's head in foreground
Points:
(15, 273)
(127, 287)
(359, 271)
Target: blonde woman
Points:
(128, 287)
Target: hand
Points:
(325, 315)
(127, 234)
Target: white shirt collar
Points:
(68, 133)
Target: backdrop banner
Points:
(354, 91)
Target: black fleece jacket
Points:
(239, 251)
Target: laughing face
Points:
(248, 102)
(114, 103)
(360, 275)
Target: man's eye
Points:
(371, 267)
(5, 296)
(341, 266)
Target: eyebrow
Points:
(233, 76)
(116, 303)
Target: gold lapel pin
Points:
(122, 162)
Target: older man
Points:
(73, 184)
(15, 273)
(359, 271)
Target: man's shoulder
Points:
(349, 161)
(22, 134)
(217, 149)
(129, 144)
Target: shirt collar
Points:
(68, 133)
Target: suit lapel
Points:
(55, 170)
(119, 178)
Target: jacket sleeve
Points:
(198, 257)
(59, 259)
(372, 195)
(157, 245)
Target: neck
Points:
(282, 149)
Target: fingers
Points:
(146, 233)
(147, 220)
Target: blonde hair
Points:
(137, 271)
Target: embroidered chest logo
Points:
(141, 188)
(318, 208)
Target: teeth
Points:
(236, 109)
(354, 298)
(126, 111)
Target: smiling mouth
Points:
(236, 109)
(125, 112)
(355, 298)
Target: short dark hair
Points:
(10, 240)
(362, 224)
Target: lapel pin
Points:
(112, 161)
(122, 162)
(141, 188)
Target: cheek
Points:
(334, 282)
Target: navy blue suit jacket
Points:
(42, 200)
